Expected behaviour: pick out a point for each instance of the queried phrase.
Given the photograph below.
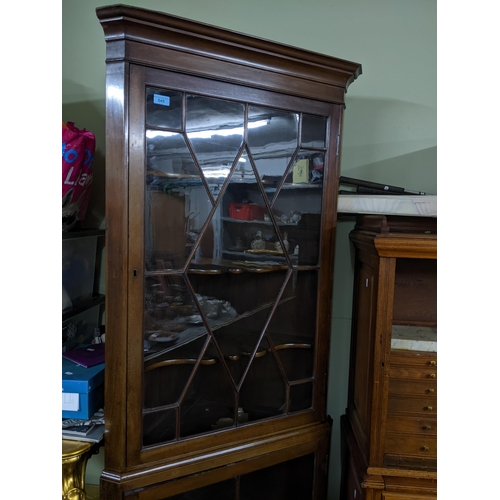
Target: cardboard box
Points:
(82, 389)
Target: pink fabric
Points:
(78, 148)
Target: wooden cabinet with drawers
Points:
(411, 424)
(389, 430)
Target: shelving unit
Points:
(80, 279)
(81, 250)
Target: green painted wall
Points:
(390, 129)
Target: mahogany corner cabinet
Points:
(222, 167)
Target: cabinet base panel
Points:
(360, 482)
(305, 455)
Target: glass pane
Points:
(272, 140)
(236, 302)
(215, 129)
(313, 131)
(293, 325)
(177, 203)
(166, 372)
(208, 405)
(295, 319)
(158, 427)
(163, 108)
(300, 397)
(171, 315)
(229, 314)
(263, 393)
(169, 160)
(244, 173)
(297, 208)
(248, 233)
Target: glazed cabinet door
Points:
(230, 232)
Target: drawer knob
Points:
(428, 408)
(425, 448)
(431, 391)
(427, 427)
(432, 363)
(432, 375)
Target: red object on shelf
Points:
(246, 211)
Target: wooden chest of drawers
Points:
(411, 423)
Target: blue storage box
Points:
(82, 389)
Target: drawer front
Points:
(426, 425)
(418, 358)
(426, 405)
(413, 372)
(412, 387)
(414, 358)
(411, 445)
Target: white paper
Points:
(70, 401)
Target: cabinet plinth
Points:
(390, 426)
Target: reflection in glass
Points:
(272, 140)
(229, 313)
(174, 187)
(163, 108)
(297, 207)
(301, 397)
(237, 319)
(158, 427)
(293, 325)
(244, 173)
(263, 392)
(296, 316)
(168, 157)
(313, 131)
(170, 313)
(209, 402)
(164, 380)
(250, 233)
(215, 129)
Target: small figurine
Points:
(277, 245)
(258, 243)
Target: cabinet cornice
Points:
(158, 32)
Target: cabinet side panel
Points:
(116, 264)
(363, 368)
(328, 232)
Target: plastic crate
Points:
(246, 211)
